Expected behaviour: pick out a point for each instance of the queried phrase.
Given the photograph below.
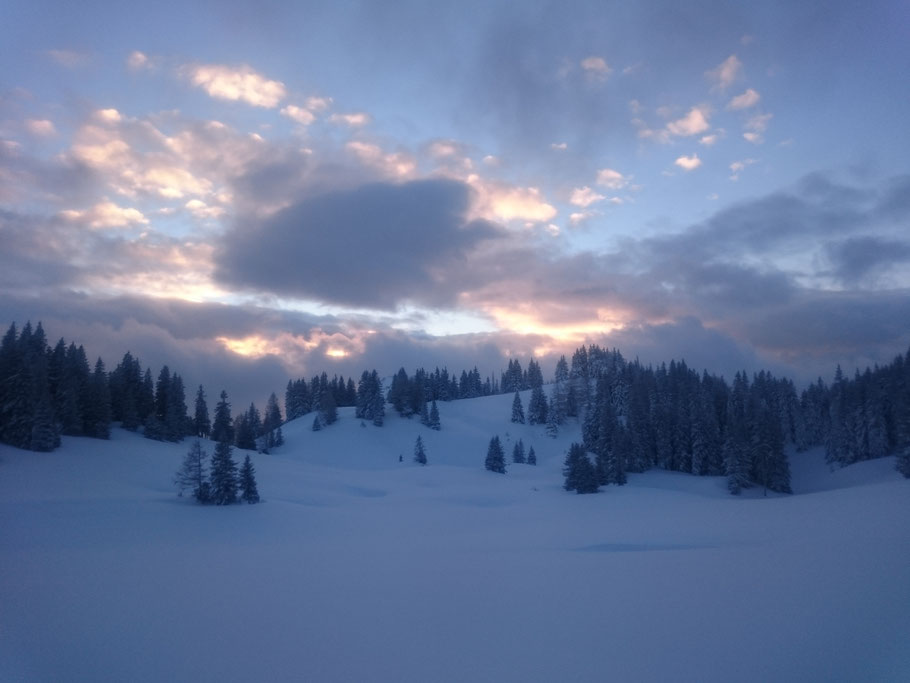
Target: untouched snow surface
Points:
(360, 568)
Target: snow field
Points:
(360, 568)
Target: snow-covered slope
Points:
(359, 567)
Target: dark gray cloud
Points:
(860, 259)
(687, 339)
(375, 246)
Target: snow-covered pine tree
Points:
(202, 425)
(420, 455)
(532, 456)
(96, 418)
(223, 475)
(518, 412)
(249, 492)
(44, 432)
(425, 414)
(552, 419)
(328, 409)
(518, 452)
(192, 474)
(434, 417)
(495, 461)
(175, 423)
(223, 426)
(243, 432)
(537, 406)
(580, 475)
(161, 397)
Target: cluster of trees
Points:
(670, 417)
(863, 418)
(496, 458)
(516, 379)
(219, 483)
(425, 387)
(633, 417)
(46, 392)
(319, 394)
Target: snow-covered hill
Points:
(359, 567)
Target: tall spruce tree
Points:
(420, 455)
(495, 461)
(518, 452)
(223, 475)
(97, 414)
(249, 492)
(202, 425)
(537, 406)
(518, 412)
(580, 475)
(434, 417)
(223, 425)
(175, 423)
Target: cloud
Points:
(579, 217)
(40, 127)
(748, 99)
(559, 146)
(611, 179)
(596, 68)
(108, 116)
(585, 196)
(71, 59)
(302, 116)
(738, 166)
(726, 73)
(708, 140)
(353, 120)
(755, 127)
(106, 215)
(688, 163)
(396, 165)
(693, 123)
(203, 211)
(868, 259)
(138, 60)
(240, 83)
(404, 243)
(318, 104)
(500, 201)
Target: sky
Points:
(263, 191)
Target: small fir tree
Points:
(580, 475)
(223, 426)
(495, 461)
(518, 452)
(202, 426)
(192, 474)
(532, 456)
(420, 456)
(434, 417)
(552, 420)
(518, 411)
(249, 493)
(223, 475)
